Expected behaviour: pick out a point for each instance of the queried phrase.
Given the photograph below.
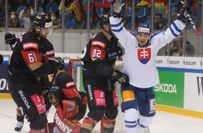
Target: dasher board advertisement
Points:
(170, 91)
(194, 91)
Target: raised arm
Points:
(173, 31)
(117, 23)
(175, 28)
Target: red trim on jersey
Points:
(29, 45)
(71, 92)
(98, 43)
(50, 52)
(70, 84)
(49, 55)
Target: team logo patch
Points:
(144, 55)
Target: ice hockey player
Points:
(138, 99)
(69, 102)
(99, 59)
(28, 66)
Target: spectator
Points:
(159, 22)
(56, 20)
(69, 20)
(175, 49)
(40, 8)
(25, 17)
(73, 13)
(13, 20)
(189, 49)
(52, 6)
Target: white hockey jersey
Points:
(139, 62)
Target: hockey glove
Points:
(54, 97)
(118, 8)
(57, 62)
(10, 38)
(121, 78)
(184, 13)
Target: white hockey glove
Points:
(118, 8)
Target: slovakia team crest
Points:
(144, 55)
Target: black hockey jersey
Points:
(65, 86)
(27, 55)
(100, 56)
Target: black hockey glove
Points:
(184, 13)
(120, 77)
(10, 38)
(118, 8)
(54, 96)
(57, 62)
(116, 52)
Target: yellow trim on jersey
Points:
(35, 65)
(180, 111)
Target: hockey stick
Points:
(188, 16)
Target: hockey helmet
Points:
(144, 28)
(104, 19)
(43, 21)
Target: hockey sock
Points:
(19, 125)
(88, 125)
(140, 127)
(108, 125)
(143, 124)
(20, 120)
(130, 119)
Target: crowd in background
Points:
(20, 12)
(75, 14)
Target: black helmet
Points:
(43, 21)
(104, 19)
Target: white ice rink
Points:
(163, 122)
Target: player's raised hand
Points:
(184, 13)
(10, 38)
(118, 8)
